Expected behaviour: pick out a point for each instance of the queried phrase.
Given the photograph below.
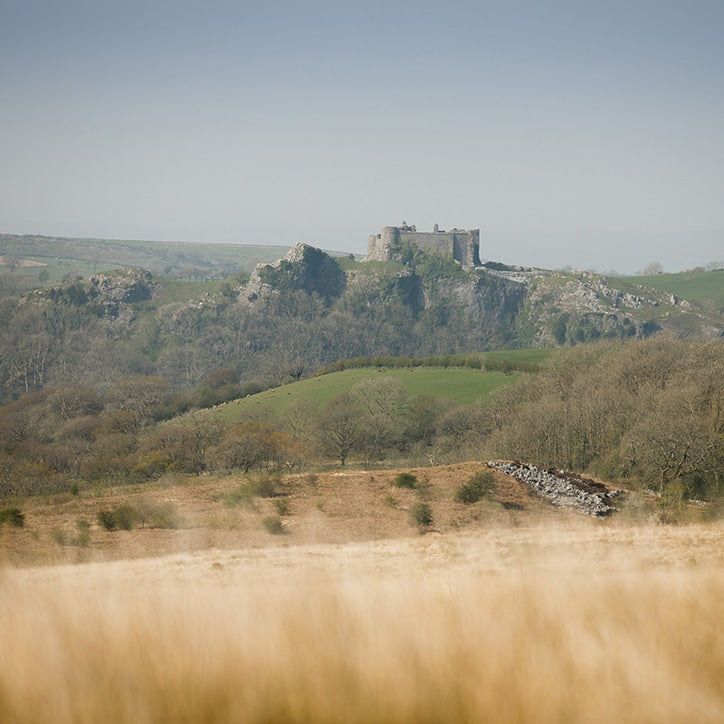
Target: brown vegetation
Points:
(585, 623)
(228, 512)
(322, 597)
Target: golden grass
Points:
(542, 624)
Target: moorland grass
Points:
(603, 628)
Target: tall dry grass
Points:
(527, 626)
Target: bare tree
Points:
(652, 269)
(339, 428)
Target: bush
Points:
(106, 519)
(421, 514)
(391, 502)
(241, 495)
(273, 524)
(671, 505)
(123, 517)
(264, 486)
(405, 480)
(82, 540)
(13, 516)
(166, 516)
(477, 487)
(282, 506)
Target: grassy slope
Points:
(511, 611)
(705, 289)
(464, 386)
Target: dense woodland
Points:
(648, 413)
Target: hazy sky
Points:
(580, 133)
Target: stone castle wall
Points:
(464, 246)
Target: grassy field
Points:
(573, 624)
(703, 288)
(506, 610)
(76, 256)
(462, 385)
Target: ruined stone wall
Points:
(464, 246)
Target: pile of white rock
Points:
(564, 490)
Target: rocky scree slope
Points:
(564, 490)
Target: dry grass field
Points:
(500, 613)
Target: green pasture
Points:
(706, 289)
(462, 385)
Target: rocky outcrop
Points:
(303, 268)
(564, 490)
(125, 286)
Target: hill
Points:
(61, 257)
(456, 385)
(173, 515)
(702, 288)
(308, 310)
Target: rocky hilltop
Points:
(517, 306)
(309, 309)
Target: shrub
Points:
(477, 487)
(13, 516)
(241, 495)
(264, 486)
(58, 535)
(273, 524)
(671, 506)
(391, 502)
(82, 540)
(405, 480)
(421, 514)
(106, 519)
(166, 515)
(282, 506)
(123, 517)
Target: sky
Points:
(572, 133)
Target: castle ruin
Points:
(464, 246)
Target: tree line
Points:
(70, 437)
(648, 413)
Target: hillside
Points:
(63, 257)
(174, 516)
(702, 288)
(457, 386)
(308, 310)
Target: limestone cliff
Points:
(303, 268)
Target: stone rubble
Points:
(564, 490)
